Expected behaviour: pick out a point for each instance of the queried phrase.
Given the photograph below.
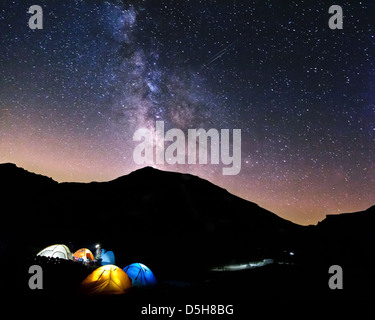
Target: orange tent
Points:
(84, 253)
(108, 279)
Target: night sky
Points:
(73, 94)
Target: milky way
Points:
(73, 94)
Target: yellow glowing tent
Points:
(108, 279)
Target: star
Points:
(73, 94)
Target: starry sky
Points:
(73, 94)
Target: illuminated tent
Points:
(108, 257)
(140, 275)
(108, 279)
(84, 254)
(56, 251)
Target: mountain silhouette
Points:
(348, 237)
(178, 215)
(160, 218)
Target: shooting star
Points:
(217, 55)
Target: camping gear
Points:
(140, 275)
(56, 251)
(108, 279)
(84, 254)
(108, 257)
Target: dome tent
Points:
(108, 279)
(84, 254)
(108, 257)
(56, 251)
(140, 275)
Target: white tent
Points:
(56, 251)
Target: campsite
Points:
(287, 278)
(199, 241)
(66, 277)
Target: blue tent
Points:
(140, 275)
(108, 257)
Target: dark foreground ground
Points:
(271, 290)
(61, 280)
(179, 226)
